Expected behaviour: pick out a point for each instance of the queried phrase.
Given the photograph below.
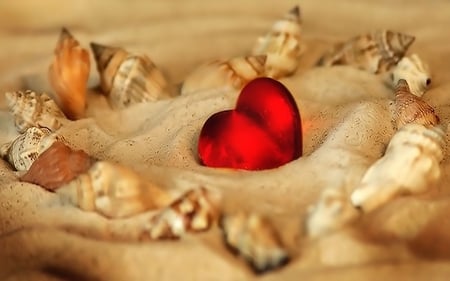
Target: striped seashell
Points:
(255, 239)
(410, 165)
(69, 74)
(233, 73)
(31, 109)
(415, 72)
(57, 165)
(114, 191)
(282, 45)
(195, 211)
(128, 78)
(26, 148)
(375, 52)
(412, 109)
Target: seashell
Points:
(412, 109)
(376, 52)
(195, 211)
(69, 74)
(26, 148)
(255, 239)
(415, 72)
(234, 73)
(409, 166)
(31, 109)
(57, 165)
(129, 78)
(114, 191)
(282, 45)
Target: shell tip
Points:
(295, 11)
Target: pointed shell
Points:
(412, 109)
(376, 52)
(233, 73)
(56, 166)
(129, 79)
(26, 148)
(31, 109)
(115, 191)
(195, 211)
(415, 72)
(68, 75)
(282, 45)
(255, 239)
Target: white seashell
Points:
(282, 45)
(255, 239)
(114, 191)
(128, 78)
(375, 52)
(410, 165)
(234, 73)
(31, 109)
(415, 72)
(27, 147)
(195, 211)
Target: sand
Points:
(347, 120)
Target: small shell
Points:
(410, 165)
(68, 75)
(376, 52)
(34, 110)
(412, 109)
(195, 211)
(114, 191)
(415, 72)
(282, 45)
(255, 239)
(129, 79)
(26, 148)
(56, 166)
(234, 73)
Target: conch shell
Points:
(412, 109)
(415, 72)
(69, 74)
(282, 45)
(376, 52)
(57, 165)
(26, 148)
(234, 73)
(114, 191)
(127, 78)
(34, 110)
(255, 239)
(195, 211)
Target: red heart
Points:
(263, 132)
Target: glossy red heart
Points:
(263, 132)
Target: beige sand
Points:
(347, 124)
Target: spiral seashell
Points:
(195, 211)
(69, 74)
(412, 109)
(26, 148)
(409, 166)
(57, 165)
(127, 78)
(33, 110)
(376, 52)
(282, 45)
(234, 73)
(114, 191)
(255, 239)
(415, 72)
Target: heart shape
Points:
(263, 132)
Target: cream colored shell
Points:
(415, 72)
(31, 109)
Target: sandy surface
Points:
(347, 119)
